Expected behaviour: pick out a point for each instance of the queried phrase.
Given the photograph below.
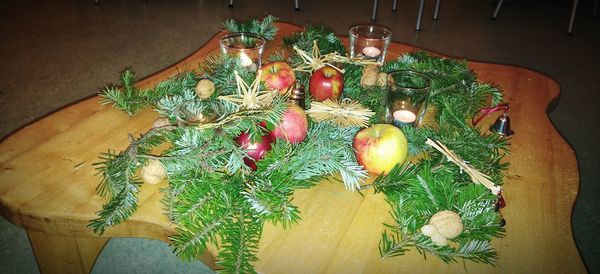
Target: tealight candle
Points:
(369, 42)
(404, 116)
(371, 51)
(245, 60)
(407, 96)
(247, 46)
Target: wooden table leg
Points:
(64, 254)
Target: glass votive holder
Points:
(407, 97)
(369, 42)
(248, 46)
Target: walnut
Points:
(369, 76)
(153, 172)
(382, 79)
(205, 88)
(448, 223)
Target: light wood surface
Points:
(47, 184)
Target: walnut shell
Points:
(448, 223)
(429, 230)
(382, 79)
(154, 172)
(205, 88)
(369, 76)
(439, 240)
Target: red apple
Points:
(294, 125)
(380, 147)
(278, 76)
(326, 83)
(256, 151)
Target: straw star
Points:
(315, 60)
(249, 96)
(345, 113)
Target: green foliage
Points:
(213, 198)
(326, 39)
(265, 28)
(119, 184)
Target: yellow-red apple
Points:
(380, 147)
(255, 151)
(293, 127)
(278, 76)
(326, 83)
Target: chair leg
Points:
(420, 14)
(497, 9)
(231, 3)
(296, 5)
(374, 14)
(436, 11)
(573, 10)
(395, 5)
(595, 12)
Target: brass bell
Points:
(502, 126)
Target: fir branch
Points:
(118, 183)
(130, 99)
(240, 244)
(265, 28)
(392, 245)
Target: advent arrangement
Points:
(241, 132)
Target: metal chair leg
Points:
(420, 14)
(436, 11)
(395, 5)
(231, 3)
(296, 6)
(573, 10)
(374, 14)
(497, 9)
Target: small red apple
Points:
(294, 125)
(380, 147)
(326, 83)
(256, 151)
(278, 76)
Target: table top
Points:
(47, 184)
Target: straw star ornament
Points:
(315, 60)
(249, 96)
(345, 113)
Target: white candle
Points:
(404, 116)
(245, 60)
(371, 51)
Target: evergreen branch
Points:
(240, 244)
(118, 209)
(265, 28)
(391, 245)
(118, 181)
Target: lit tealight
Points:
(371, 51)
(404, 116)
(245, 60)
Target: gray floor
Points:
(55, 52)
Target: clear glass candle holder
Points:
(247, 46)
(407, 97)
(369, 42)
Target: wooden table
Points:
(47, 186)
